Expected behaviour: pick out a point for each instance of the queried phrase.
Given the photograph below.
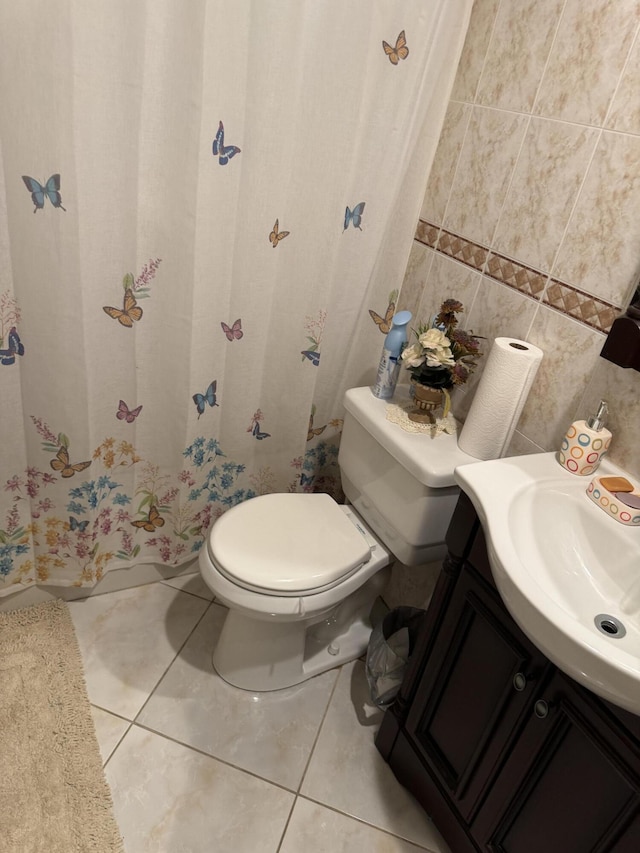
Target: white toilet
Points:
(300, 573)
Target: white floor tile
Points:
(170, 799)
(316, 829)
(269, 734)
(347, 772)
(127, 640)
(109, 730)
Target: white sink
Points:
(559, 562)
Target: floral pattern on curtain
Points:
(206, 214)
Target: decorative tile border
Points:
(581, 306)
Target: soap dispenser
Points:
(585, 443)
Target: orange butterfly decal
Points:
(400, 51)
(61, 463)
(384, 323)
(130, 310)
(276, 236)
(149, 524)
(311, 432)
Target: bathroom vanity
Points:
(501, 748)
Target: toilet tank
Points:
(401, 483)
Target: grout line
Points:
(206, 754)
(554, 38)
(286, 824)
(187, 591)
(133, 722)
(488, 48)
(620, 78)
(514, 169)
(373, 825)
(561, 242)
(122, 736)
(175, 657)
(320, 727)
(456, 167)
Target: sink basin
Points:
(562, 565)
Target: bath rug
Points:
(53, 794)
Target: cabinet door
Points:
(466, 707)
(572, 782)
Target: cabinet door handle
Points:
(519, 681)
(541, 709)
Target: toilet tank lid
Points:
(287, 542)
(430, 460)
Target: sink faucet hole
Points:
(610, 625)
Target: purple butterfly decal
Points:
(312, 355)
(233, 332)
(124, 413)
(307, 482)
(254, 429)
(223, 152)
(16, 347)
(258, 434)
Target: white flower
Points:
(434, 339)
(440, 356)
(434, 347)
(413, 356)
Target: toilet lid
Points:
(287, 543)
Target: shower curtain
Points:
(205, 214)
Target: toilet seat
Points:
(287, 544)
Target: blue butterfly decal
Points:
(74, 524)
(223, 152)
(15, 347)
(312, 355)
(306, 481)
(209, 397)
(259, 435)
(354, 216)
(38, 192)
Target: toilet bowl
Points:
(300, 573)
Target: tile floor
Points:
(197, 765)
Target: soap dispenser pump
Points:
(585, 443)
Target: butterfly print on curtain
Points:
(223, 152)
(254, 428)
(207, 399)
(233, 333)
(384, 323)
(399, 51)
(50, 190)
(134, 289)
(354, 216)
(276, 235)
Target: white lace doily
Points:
(398, 414)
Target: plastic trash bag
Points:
(389, 650)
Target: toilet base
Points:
(261, 655)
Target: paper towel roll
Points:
(500, 397)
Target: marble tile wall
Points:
(531, 216)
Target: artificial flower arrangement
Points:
(442, 356)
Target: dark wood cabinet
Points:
(506, 752)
